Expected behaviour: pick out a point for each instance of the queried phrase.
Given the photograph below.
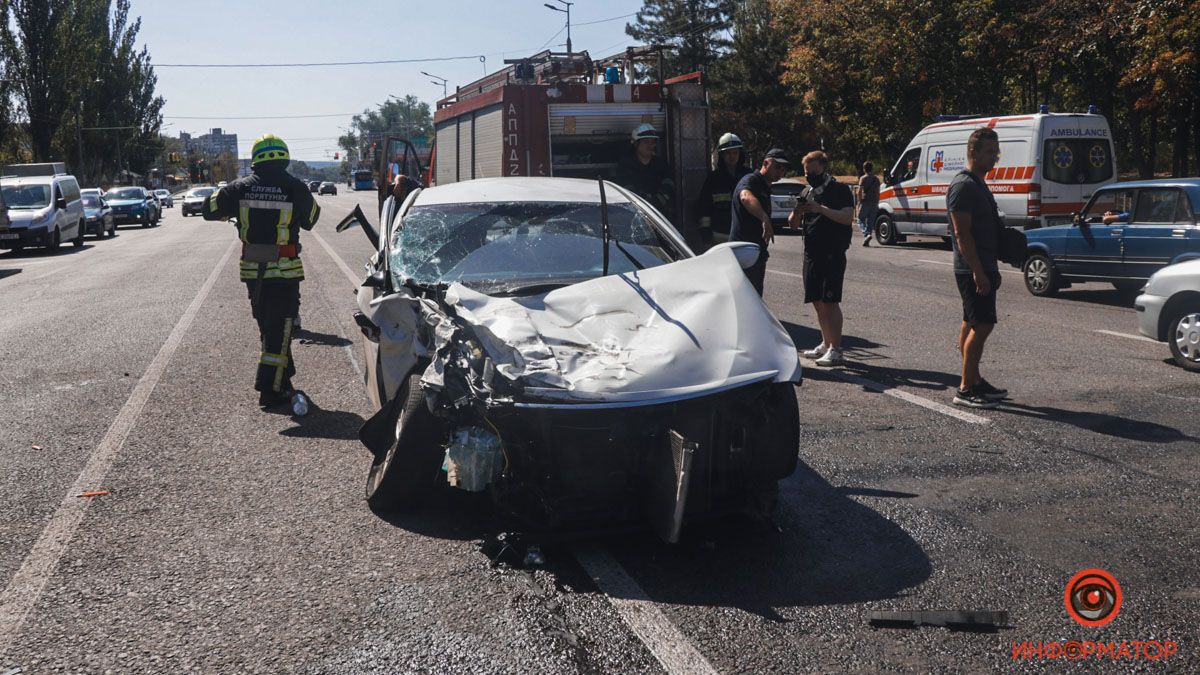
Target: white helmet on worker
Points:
(729, 142)
(643, 132)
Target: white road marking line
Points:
(337, 322)
(30, 580)
(644, 618)
(1130, 336)
(354, 281)
(787, 274)
(942, 262)
(896, 392)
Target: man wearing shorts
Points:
(827, 211)
(976, 225)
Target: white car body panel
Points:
(1162, 285)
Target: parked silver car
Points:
(1169, 311)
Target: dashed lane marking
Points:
(950, 264)
(949, 411)
(665, 641)
(787, 274)
(1129, 336)
(30, 580)
(337, 322)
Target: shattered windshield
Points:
(495, 247)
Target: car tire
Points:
(948, 242)
(1183, 337)
(885, 230)
(78, 240)
(55, 239)
(1041, 279)
(411, 469)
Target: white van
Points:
(44, 206)
(1050, 163)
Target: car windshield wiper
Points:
(606, 236)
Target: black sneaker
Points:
(973, 398)
(991, 393)
(271, 399)
(867, 240)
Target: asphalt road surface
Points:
(232, 540)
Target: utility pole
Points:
(568, 12)
(436, 80)
(79, 138)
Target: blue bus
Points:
(362, 179)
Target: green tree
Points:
(696, 29)
(32, 39)
(408, 117)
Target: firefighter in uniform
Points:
(646, 174)
(270, 206)
(717, 192)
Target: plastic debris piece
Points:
(37, 447)
(94, 493)
(473, 459)
(960, 619)
(299, 404)
(534, 557)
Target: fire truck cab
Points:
(1050, 164)
(556, 114)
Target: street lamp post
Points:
(568, 13)
(437, 80)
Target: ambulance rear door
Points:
(1075, 158)
(947, 156)
(1011, 178)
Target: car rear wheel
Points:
(411, 469)
(1183, 336)
(78, 240)
(885, 230)
(1040, 277)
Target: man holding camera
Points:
(827, 210)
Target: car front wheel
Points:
(1184, 337)
(78, 240)
(411, 469)
(1040, 277)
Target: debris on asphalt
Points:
(534, 557)
(94, 493)
(954, 620)
(35, 446)
(510, 550)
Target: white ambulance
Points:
(1050, 163)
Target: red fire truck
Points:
(557, 114)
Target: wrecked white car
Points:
(555, 343)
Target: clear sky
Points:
(295, 31)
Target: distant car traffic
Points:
(222, 184)
(327, 188)
(98, 215)
(1169, 311)
(135, 205)
(164, 197)
(1126, 233)
(44, 206)
(313, 185)
(193, 200)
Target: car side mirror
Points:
(378, 280)
(61, 203)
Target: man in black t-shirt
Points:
(976, 224)
(827, 209)
(750, 214)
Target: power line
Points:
(311, 65)
(258, 117)
(589, 23)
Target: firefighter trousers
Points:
(275, 308)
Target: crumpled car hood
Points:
(684, 329)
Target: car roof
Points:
(520, 189)
(1156, 182)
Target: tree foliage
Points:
(83, 92)
(408, 117)
(695, 28)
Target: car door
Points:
(1158, 232)
(1093, 248)
(909, 205)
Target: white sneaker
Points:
(816, 352)
(833, 357)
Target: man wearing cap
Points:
(646, 174)
(717, 191)
(750, 215)
(270, 206)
